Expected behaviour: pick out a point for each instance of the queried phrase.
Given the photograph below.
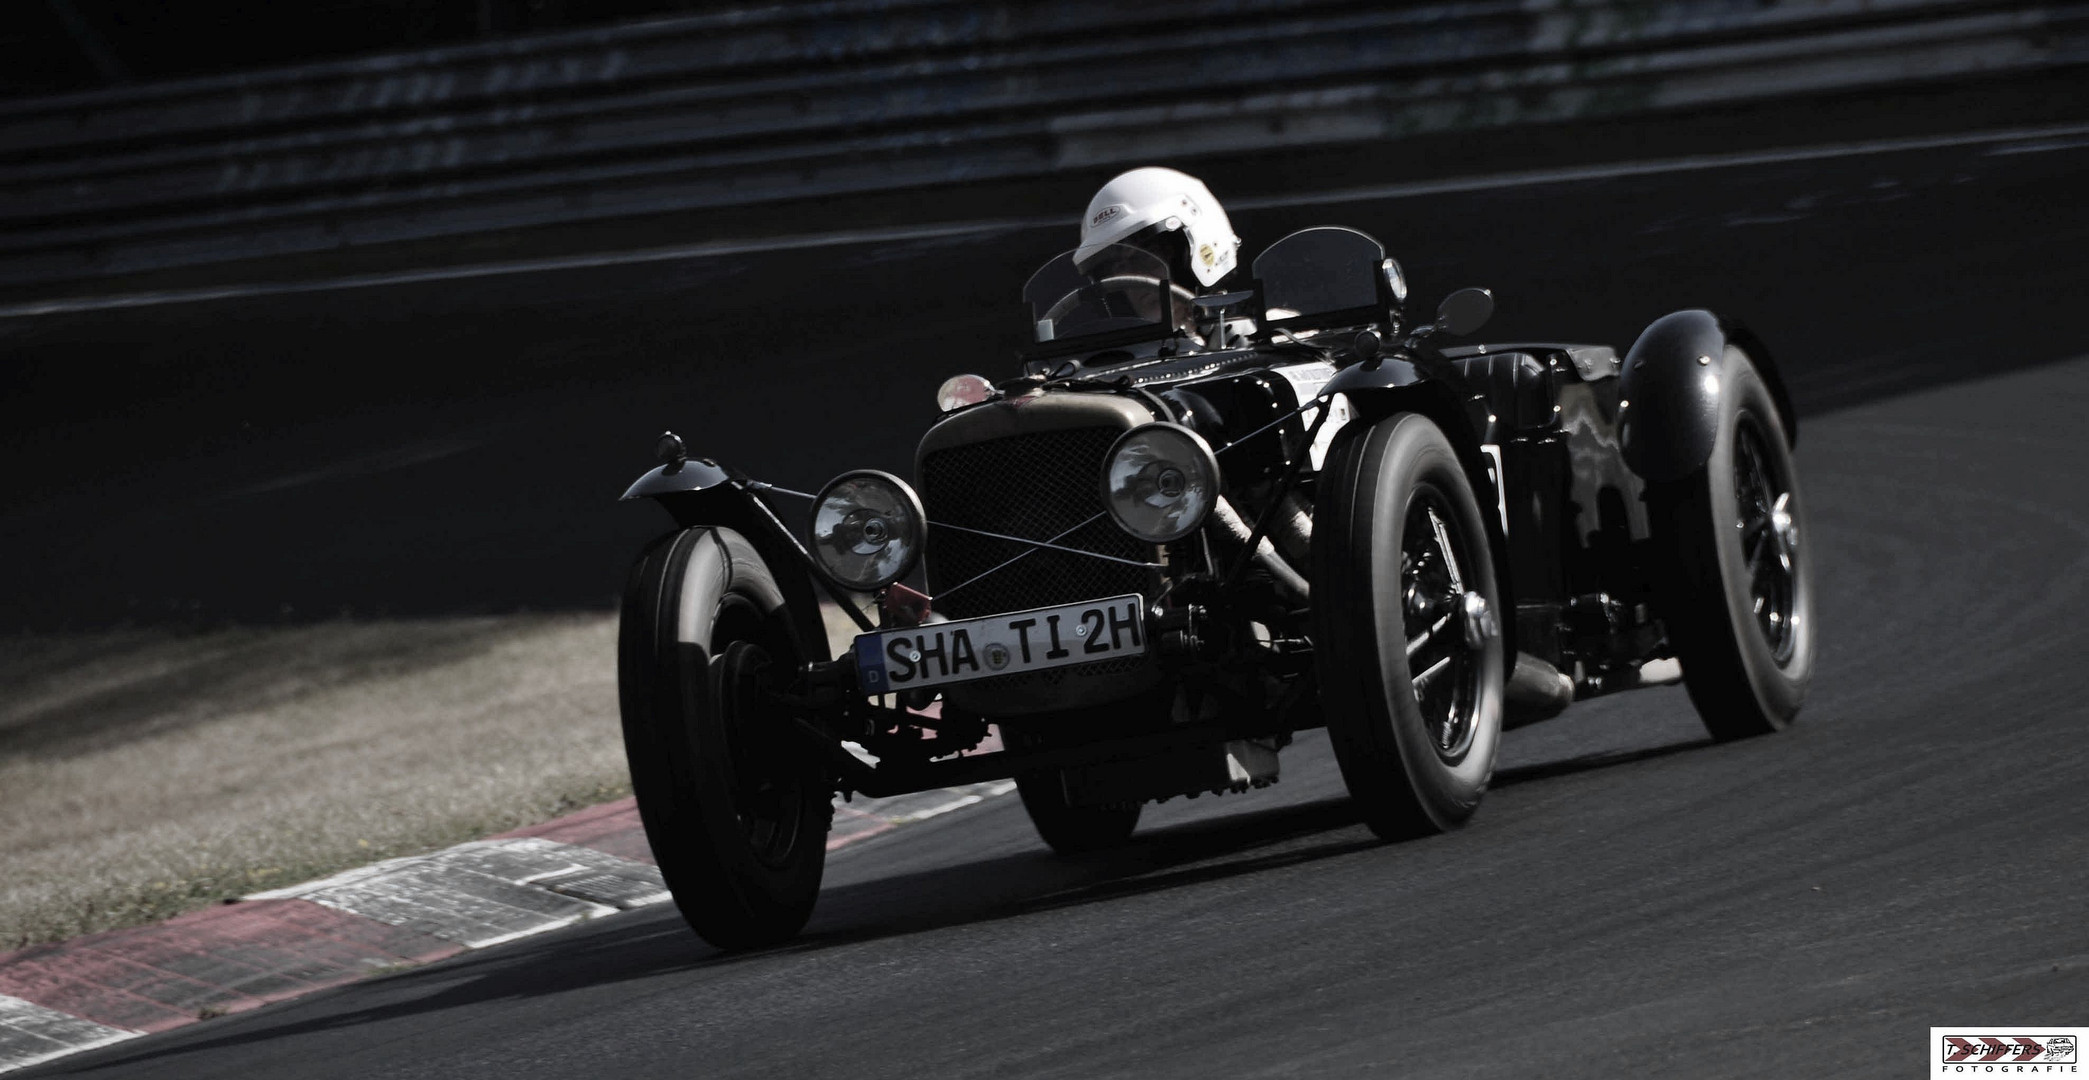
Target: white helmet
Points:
(1144, 205)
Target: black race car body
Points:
(1194, 526)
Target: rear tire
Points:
(1398, 547)
(1074, 830)
(1738, 580)
(1065, 828)
(736, 809)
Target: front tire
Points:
(735, 809)
(1738, 581)
(1410, 663)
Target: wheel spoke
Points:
(1768, 537)
(1440, 647)
(1445, 549)
(1433, 584)
(1428, 674)
(1752, 549)
(1420, 641)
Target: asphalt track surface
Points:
(1631, 901)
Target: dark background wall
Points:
(53, 46)
(798, 119)
(387, 334)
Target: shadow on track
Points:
(1546, 770)
(657, 943)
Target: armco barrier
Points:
(856, 96)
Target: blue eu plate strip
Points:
(870, 664)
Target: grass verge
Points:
(147, 773)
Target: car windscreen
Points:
(1119, 293)
(1323, 276)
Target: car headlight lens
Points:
(959, 391)
(1160, 482)
(866, 529)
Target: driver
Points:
(1171, 214)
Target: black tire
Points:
(736, 810)
(1073, 830)
(1737, 588)
(1392, 492)
(1065, 828)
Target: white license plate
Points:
(952, 652)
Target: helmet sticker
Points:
(1209, 254)
(1106, 215)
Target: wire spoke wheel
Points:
(735, 810)
(768, 791)
(1737, 598)
(1406, 639)
(1769, 536)
(1440, 663)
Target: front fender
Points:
(1673, 377)
(695, 474)
(705, 494)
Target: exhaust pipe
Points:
(1535, 691)
(1291, 584)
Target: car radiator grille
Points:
(1035, 485)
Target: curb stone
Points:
(72, 996)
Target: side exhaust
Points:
(1535, 691)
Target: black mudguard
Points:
(1673, 377)
(705, 494)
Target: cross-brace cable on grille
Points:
(1038, 546)
(1034, 545)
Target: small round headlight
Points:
(1160, 482)
(866, 529)
(959, 391)
(1395, 281)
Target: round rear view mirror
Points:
(1464, 311)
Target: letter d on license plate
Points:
(951, 652)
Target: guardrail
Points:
(850, 97)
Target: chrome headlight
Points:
(866, 529)
(1160, 482)
(1395, 281)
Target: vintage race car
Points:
(1192, 527)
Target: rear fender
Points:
(1673, 378)
(704, 494)
(1397, 387)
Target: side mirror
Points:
(1464, 311)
